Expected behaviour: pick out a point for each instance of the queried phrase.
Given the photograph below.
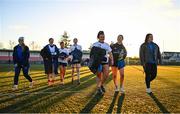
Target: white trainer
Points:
(31, 84)
(148, 90)
(116, 89)
(122, 90)
(15, 87)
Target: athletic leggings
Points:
(25, 72)
(151, 72)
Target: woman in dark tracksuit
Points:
(21, 61)
(50, 55)
(150, 56)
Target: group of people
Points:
(54, 57)
(102, 57)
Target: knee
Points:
(122, 75)
(114, 76)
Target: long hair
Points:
(120, 35)
(147, 37)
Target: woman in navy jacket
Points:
(21, 60)
(50, 55)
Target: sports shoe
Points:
(49, 82)
(62, 83)
(15, 87)
(100, 92)
(31, 84)
(122, 90)
(148, 90)
(103, 89)
(116, 89)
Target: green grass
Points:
(73, 98)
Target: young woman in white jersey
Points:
(103, 68)
(63, 61)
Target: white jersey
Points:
(52, 49)
(103, 46)
(66, 51)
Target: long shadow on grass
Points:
(110, 110)
(24, 104)
(45, 88)
(120, 102)
(40, 77)
(91, 104)
(35, 99)
(159, 104)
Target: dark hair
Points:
(121, 36)
(147, 37)
(51, 39)
(61, 42)
(75, 39)
(100, 33)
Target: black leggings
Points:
(25, 72)
(151, 73)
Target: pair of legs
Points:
(151, 73)
(114, 74)
(102, 75)
(50, 70)
(25, 70)
(62, 73)
(76, 66)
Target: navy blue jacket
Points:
(46, 54)
(25, 56)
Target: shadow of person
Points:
(92, 103)
(120, 102)
(159, 104)
(110, 110)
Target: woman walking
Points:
(119, 54)
(76, 54)
(50, 55)
(21, 56)
(63, 61)
(150, 56)
(101, 52)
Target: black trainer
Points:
(103, 89)
(100, 92)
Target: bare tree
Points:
(34, 46)
(11, 44)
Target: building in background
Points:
(35, 58)
(171, 58)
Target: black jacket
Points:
(96, 56)
(46, 54)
